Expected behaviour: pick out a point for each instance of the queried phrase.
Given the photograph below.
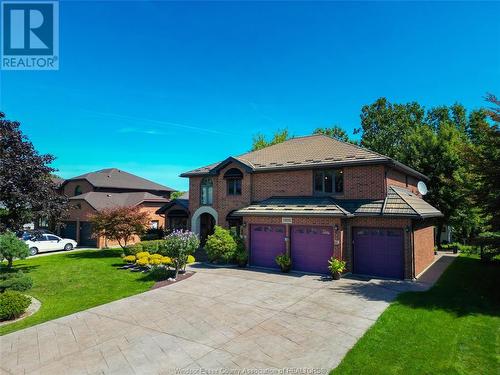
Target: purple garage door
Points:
(378, 252)
(311, 248)
(266, 242)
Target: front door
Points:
(207, 224)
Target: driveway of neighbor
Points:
(218, 318)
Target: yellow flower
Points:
(142, 254)
(166, 260)
(142, 261)
(190, 259)
(129, 259)
(156, 256)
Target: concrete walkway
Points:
(218, 318)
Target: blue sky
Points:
(158, 88)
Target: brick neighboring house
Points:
(108, 188)
(314, 197)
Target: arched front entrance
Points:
(207, 224)
(203, 222)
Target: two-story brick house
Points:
(108, 188)
(314, 197)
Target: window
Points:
(154, 224)
(329, 181)
(52, 238)
(233, 177)
(78, 190)
(206, 194)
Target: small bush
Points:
(142, 261)
(13, 304)
(167, 261)
(220, 246)
(15, 281)
(12, 247)
(142, 254)
(129, 259)
(151, 247)
(190, 259)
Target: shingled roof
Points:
(102, 200)
(305, 152)
(116, 178)
(399, 202)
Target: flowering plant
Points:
(178, 245)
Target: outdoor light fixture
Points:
(336, 227)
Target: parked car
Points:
(49, 242)
(28, 234)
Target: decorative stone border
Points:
(32, 308)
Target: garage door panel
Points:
(266, 242)
(311, 248)
(378, 252)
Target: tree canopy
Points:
(335, 132)
(260, 141)
(27, 190)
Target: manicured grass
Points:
(454, 328)
(69, 282)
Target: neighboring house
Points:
(109, 188)
(315, 197)
(176, 213)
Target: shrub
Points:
(142, 254)
(190, 259)
(151, 247)
(284, 261)
(241, 254)
(178, 246)
(15, 281)
(336, 266)
(132, 249)
(144, 261)
(153, 234)
(13, 304)
(129, 258)
(12, 247)
(166, 261)
(220, 246)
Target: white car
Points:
(49, 242)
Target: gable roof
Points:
(102, 200)
(305, 152)
(398, 202)
(116, 178)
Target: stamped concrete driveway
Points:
(218, 318)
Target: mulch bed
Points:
(180, 277)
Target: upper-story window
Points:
(233, 179)
(330, 181)
(207, 190)
(78, 190)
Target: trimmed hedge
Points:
(151, 247)
(15, 281)
(13, 304)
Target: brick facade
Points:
(364, 182)
(397, 178)
(288, 183)
(423, 238)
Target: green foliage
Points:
(178, 245)
(176, 194)
(12, 247)
(440, 143)
(284, 261)
(13, 304)
(336, 266)
(15, 281)
(260, 141)
(220, 246)
(151, 247)
(241, 253)
(153, 234)
(335, 132)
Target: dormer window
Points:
(233, 179)
(206, 191)
(78, 190)
(330, 181)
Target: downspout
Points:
(412, 244)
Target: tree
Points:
(12, 247)
(259, 140)
(120, 224)
(335, 132)
(220, 246)
(178, 245)
(437, 143)
(26, 187)
(176, 194)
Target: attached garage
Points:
(311, 248)
(266, 242)
(378, 252)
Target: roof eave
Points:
(407, 169)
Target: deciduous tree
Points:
(260, 141)
(27, 190)
(335, 132)
(120, 224)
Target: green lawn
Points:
(454, 328)
(70, 282)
